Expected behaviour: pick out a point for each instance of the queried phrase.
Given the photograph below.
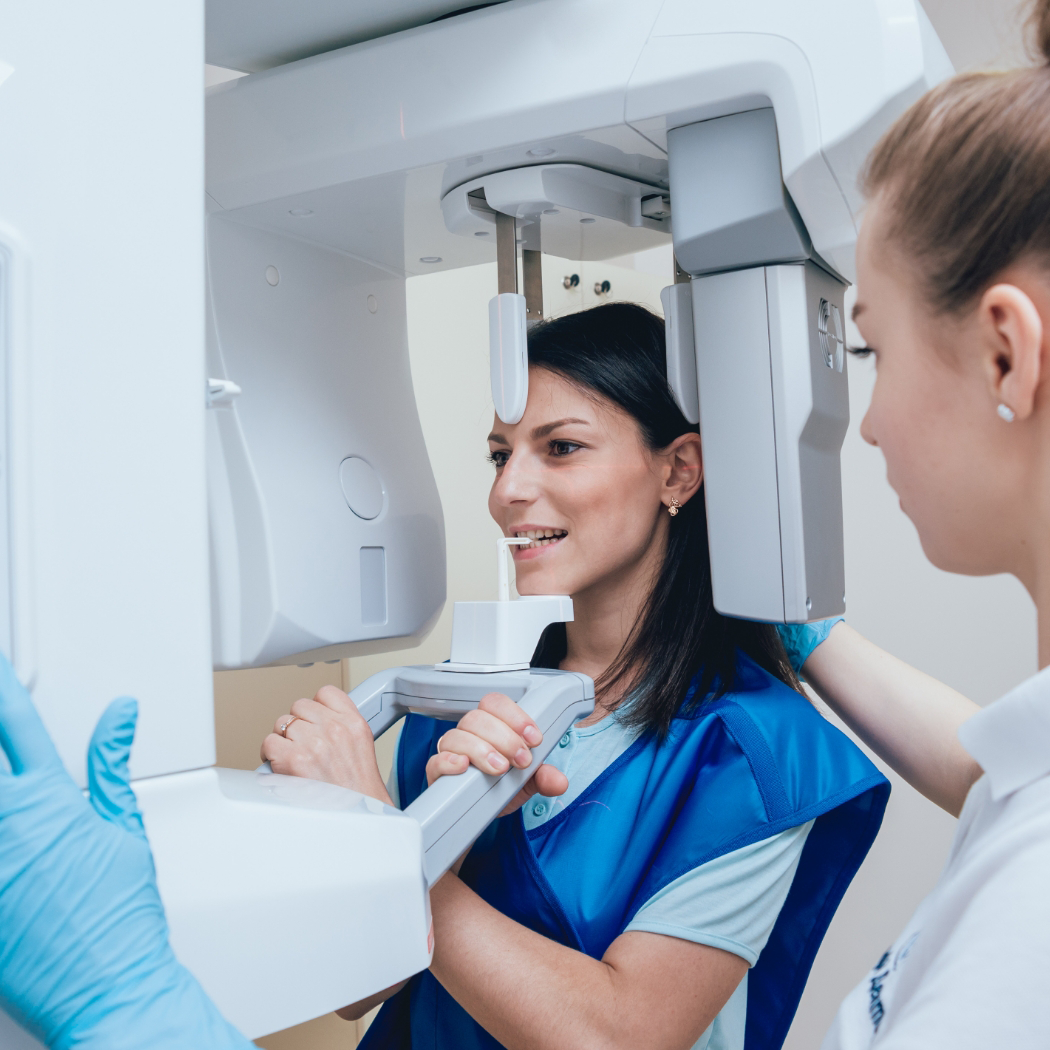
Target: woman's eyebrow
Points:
(538, 432)
(548, 427)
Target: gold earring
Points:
(674, 507)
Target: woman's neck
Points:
(604, 617)
(1032, 551)
(1040, 592)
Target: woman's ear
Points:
(684, 456)
(1012, 347)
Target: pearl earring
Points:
(673, 507)
(1006, 413)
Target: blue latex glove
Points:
(800, 639)
(84, 953)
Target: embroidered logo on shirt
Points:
(876, 1009)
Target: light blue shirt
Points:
(730, 903)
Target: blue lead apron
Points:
(741, 768)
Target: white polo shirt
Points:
(972, 969)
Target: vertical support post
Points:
(508, 339)
(506, 253)
(532, 272)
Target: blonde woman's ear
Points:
(1012, 333)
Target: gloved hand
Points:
(800, 639)
(84, 953)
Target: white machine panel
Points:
(103, 270)
(774, 408)
(327, 532)
(251, 35)
(382, 130)
(286, 898)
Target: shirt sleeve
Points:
(730, 902)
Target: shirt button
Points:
(539, 808)
(564, 742)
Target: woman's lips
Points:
(542, 538)
(532, 552)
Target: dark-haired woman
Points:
(709, 819)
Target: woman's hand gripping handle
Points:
(456, 808)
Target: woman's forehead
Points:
(554, 399)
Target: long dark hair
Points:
(617, 351)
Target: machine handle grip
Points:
(456, 809)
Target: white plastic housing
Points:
(237, 853)
(677, 301)
(570, 210)
(502, 636)
(370, 138)
(774, 407)
(101, 347)
(327, 537)
(731, 208)
(508, 355)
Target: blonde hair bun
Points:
(964, 177)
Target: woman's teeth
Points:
(540, 537)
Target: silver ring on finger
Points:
(284, 726)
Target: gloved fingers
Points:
(107, 764)
(22, 734)
(800, 639)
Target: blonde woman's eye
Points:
(498, 458)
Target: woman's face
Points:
(575, 476)
(933, 415)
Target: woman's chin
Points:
(538, 582)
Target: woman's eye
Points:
(499, 458)
(563, 448)
(861, 351)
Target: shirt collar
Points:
(1010, 739)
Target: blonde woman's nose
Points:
(867, 431)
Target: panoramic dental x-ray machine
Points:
(211, 454)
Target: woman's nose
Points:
(515, 482)
(867, 431)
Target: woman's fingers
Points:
(509, 712)
(310, 710)
(445, 764)
(282, 722)
(279, 753)
(549, 781)
(480, 752)
(336, 700)
(498, 735)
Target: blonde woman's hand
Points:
(495, 736)
(326, 739)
